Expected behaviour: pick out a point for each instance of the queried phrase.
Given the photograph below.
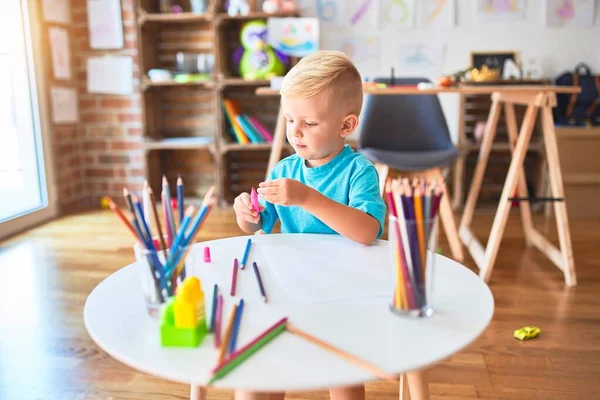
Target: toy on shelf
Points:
(256, 58)
(236, 7)
(275, 6)
(183, 319)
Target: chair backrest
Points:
(404, 122)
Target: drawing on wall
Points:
(397, 14)
(569, 13)
(500, 9)
(57, 11)
(294, 36)
(363, 50)
(362, 14)
(437, 13)
(60, 53)
(64, 105)
(421, 60)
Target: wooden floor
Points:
(46, 353)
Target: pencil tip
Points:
(125, 192)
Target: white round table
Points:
(326, 285)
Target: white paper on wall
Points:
(64, 105)
(105, 24)
(57, 11)
(569, 13)
(111, 74)
(60, 52)
(439, 14)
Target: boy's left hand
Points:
(284, 191)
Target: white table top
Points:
(352, 314)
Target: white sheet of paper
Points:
(369, 276)
(500, 10)
(294, 36)
(438, 14)
(105, 24)
(564, 13)
(57, 11)
(397, 15)
(61, 54)
(421, 60)
(111, 74)
(65, 109)
(363, 50)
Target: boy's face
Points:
(316, 127)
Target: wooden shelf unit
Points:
(174, 110)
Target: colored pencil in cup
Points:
(114, 208)
(161, 237)
(146, 204)
(167, 207)
(246, 252)
(234, 277)
(180, 207)
(260, 283)
(419, 223)
(236, 326)
(226, 337)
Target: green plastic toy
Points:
(171, 336)
(259, 60)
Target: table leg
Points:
(524, 206)
(404, 391)
(197, 393)
(417, 382)
(278, 141)
(242, 395)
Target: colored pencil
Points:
(234, 277)
(168, 209)
(146, 204)
(213, 314)
(165, 206)
(226, 337)
(219, 321)
(140, 217)
(419, 223)
(236, 326)
(180, 207)
(114, 208)
(342, 354)
(161, 236)
(246, 252)
(400, 278)
(260, 283)
(427, 211)
(247, 351)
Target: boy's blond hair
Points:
(325, 70)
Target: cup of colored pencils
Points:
(412, 239)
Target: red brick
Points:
(126, 146)
(129, 30)
(87, 104)
(90, 118)
(130, 117)
(135, 131)
(99, 173)
(127, 15)
(79, 32)
(89, 160)
(105, 131)
(130, 44)
(136, 172)
(75, 161)
(95, 146)
(116, 103)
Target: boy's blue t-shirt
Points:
(349, 178)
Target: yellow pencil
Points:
(401, 299)
(227, 336)
(419, 221)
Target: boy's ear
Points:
(349, 124)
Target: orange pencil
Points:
(227, 336)
(117, 210)
(419, 221)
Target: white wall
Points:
(559, 49)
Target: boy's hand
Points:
(244, 211)
(284, 191)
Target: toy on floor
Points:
(256, 58)
(236, 7)
(183, 318)
(527, 332)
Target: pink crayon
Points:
(207, 254)
(254, 200)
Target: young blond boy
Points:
(325, 187)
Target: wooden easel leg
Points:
(524, 206)
(278, 142)
(493, 244)
(560, 207)
(447, 219)
(417, 382)
(197, 393)
(383, 171)
(484, 153)
(457, 183)
(404, 392)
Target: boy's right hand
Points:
(244, 211)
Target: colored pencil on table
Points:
(342, 354)
(219, 321)
(213, 314)
(234, 277)
(161, 237)
(246, 252)
(260, 283)
(236, 326)
(180, 198)
(226, 337)
(241, 355)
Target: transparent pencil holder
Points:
(412, 246)
(161, 273)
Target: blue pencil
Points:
(180, 198)
(246, 252)
(213, 315)
(236, 326)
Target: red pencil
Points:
(125, 221)
(246, 347)
(234, 276)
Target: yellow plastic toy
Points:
(527, 332)
(189, 303)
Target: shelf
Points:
(147, 83)
(186, 17)
(190, 143)
(221, 17)
(228, 82)
(226, 147)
